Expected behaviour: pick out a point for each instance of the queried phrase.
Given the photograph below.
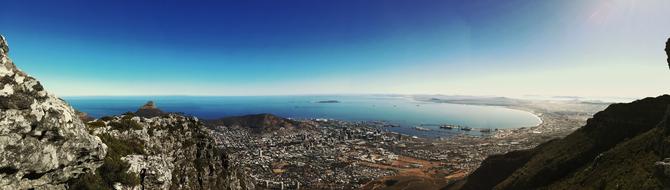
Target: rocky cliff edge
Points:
(43, 143)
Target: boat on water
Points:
(447, 127)
(421, 129)
(487, 130)
(466, 128)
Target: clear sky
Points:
(279, 47)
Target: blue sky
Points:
(478, 47)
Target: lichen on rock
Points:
(177, 152)
(42, 142)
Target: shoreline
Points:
(92, 106)
(468, 151)
(511, 107)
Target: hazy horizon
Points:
(604, 99)
(600, 48)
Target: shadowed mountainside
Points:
(617, 148)
(257, 123)
(626, 146)
(149, 110)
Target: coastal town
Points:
(335, 154)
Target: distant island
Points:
(328, 101)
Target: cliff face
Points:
(169, 151)
(619, 148)
(43, 143)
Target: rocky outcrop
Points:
(662, 172)
(169, 151)
(43, 143)
(622, 147)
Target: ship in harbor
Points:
(421, 128)
(447, 127)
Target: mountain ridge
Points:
(575, 160)
(258, 123)
(625, 146)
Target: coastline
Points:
(549, 113)
(555, 122)
(408, 113)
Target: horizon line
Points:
(526, 97)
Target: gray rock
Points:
(179, 153)
(43, 143)
(663, 172)
(3, 45)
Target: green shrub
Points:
(188, 143)
(107, 118)
(95, 124)
(128, 115)
(125, 124)
(118, 148)
(113, 169)
(88, 181)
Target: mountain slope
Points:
(257, 123)
(43, 143)
(149, 110)
(169, 151)
(616, 149)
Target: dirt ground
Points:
(408, 177)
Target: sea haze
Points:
(403, 111)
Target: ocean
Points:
(400, 110)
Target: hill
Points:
(149, 110)
(258, 123)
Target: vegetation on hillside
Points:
(113, 170)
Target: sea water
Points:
(400, 110)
